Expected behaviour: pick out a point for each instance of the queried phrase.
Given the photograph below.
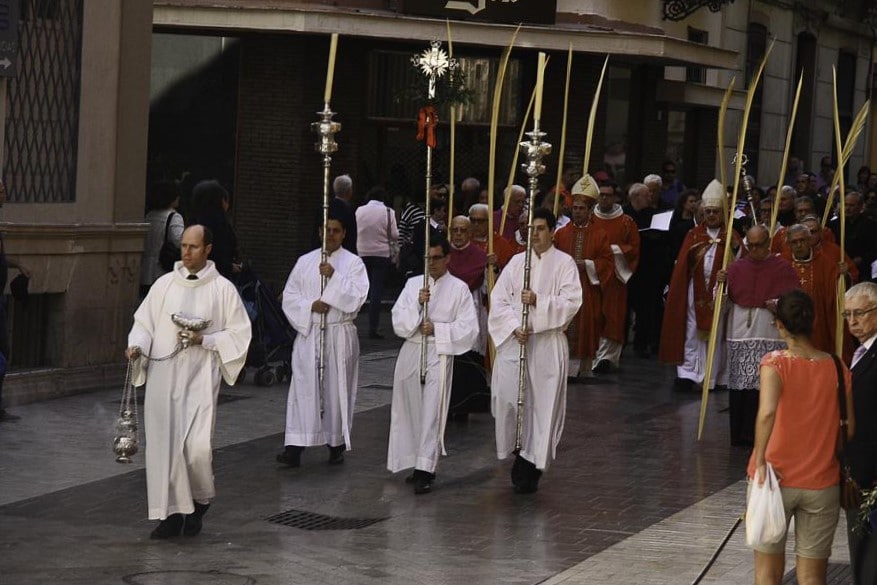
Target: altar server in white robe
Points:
(181, 392)
(554, 297)
(419, 411)
(313, 418)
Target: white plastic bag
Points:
(765, 516)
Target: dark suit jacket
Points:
(862, 450)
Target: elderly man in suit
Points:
(860, 311)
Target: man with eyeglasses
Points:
(468, 263)
(554, 296)
(817, 275)
(860, 312)
(450, 327)
(752, 281)
(502, 248)
(688, 315)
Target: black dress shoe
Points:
(290, 456)
(423, 481)
(193, 523)
(336, 454)
(411, 478)
(602, 367)
(170, 527)
(8, 417)
(528, 482)
(683, 385)
(517, 470)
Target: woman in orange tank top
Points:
(796, 431)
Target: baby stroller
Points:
(271, 345)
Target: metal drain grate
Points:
(311, 521)
(837, 574)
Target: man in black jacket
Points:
(860, 311)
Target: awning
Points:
(233, 17)
(697, 95)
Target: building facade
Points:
(75, 121)
(228, 90)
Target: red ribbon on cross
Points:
(427, 120)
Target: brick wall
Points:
(279, 175)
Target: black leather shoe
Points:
(528, 477)
(336, 454)
(517, 470)
(170, 527)
(423, 482)
(8, 417)
(192, 526)
(411, 478)
(683, 385)
(603, 367)
(290, 456)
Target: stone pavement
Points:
(632, 497)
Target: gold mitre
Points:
(714, 195)
(586, 186)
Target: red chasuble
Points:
(587, 243)
(689, 264)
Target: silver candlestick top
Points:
(326, 129)
(534, 150)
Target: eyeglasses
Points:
(857, 313)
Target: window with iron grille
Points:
(42, 118)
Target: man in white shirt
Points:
(419, 410)
(554, 296)
(314, 415)
(181, 392)
(377, 234)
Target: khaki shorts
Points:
(816, 515)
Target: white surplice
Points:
(418, 413)
(345, 293)
(554, 278)
(181, 392)
(693, 366)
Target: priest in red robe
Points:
(624, 241)
(589, 247)
(688, 315)
(817, 275)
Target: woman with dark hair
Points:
(165, 224)
(796, 431)
(862, 178)
(683, 219)
(210, 203)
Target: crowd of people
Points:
(608, 269)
